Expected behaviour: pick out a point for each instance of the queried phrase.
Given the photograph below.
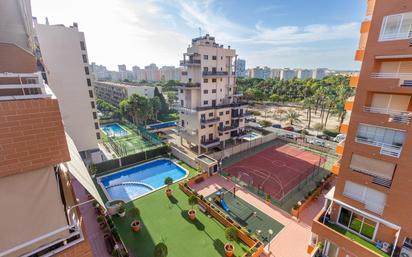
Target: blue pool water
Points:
(251, 136)
(114, 129)
(162, 125)
(129, 184)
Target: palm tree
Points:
(292, 117)
(308, 103)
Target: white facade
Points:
(66, 61)
(304, 74)
(319, 73)
(139, 74)
(287, 74)
(152, 72)
(209, 112)
(275, 73)
(114, 93)
(169, 73)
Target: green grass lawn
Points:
(357, 239)
(192, 171)
(166, 220)
(169, 117)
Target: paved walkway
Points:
(95, 235)
(293, 239)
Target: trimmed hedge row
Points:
(131, 159)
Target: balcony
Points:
(345, 239)
(243, 115)
(210, 121)
(359, 55)
(238, 94)
(336, 168)
(189, 62)
(186, 110)
(349, 104)
(228, 105)
(385, 149)
(354, 80)
(215, 73)
(365, 26)
(26, 86)
(340, 147)
(210, 143)
(227, 128)
(405, 79)
(344, 127)
(187, 131)
(188, 85)
(403, 117)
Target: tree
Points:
(231, 233)
(192, 200)
(164, 107)
(156, 106)
(160, 250)
(292, 117)
(171, 97)
(308, 103)
(137, 108)
(168, 181)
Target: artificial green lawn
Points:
(357, 239)
(166, 220)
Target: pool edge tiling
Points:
(103, 126)
(134, 170)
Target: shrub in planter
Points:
(168, 181)
(115, 234)
(121, 211)
(135, 225)
(192, 200)
(110, 222)
(133, 213)
(160, 250)
(231, 235)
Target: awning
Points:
(77, 168)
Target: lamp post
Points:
(270, 231)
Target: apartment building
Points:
(261, 72)
(319, 73)
(138, 73)
(65, 59)
(169, 73)
(210, 114)
(240, 68)
(114, 92)
(287, 74)
(275, 73)
(99, 72)
(304, 74)
(37, 157)
(368, 213)
(152, 72)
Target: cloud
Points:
(266, 8)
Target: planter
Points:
(192, 214)
(135, 225)
(295, 212)
(169, 192)
(102, 225)
(121, 214)
(229, 249)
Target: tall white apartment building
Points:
(139, 74)
(210, 114)
(304, 74)
(169, 73)
(275, 73)
(64, 54)
(287, 74)
(240, 68)
(319, 73)
(152, 72)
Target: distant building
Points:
(249, 73)
(275, 73)
(139, 74)
(122, 67)
(287, 74)
(261, 72)
(169, 73)
(319, 73)
(304, 74)
(99, 72)
(240, 68)
(152, 72)
(114, 93)
(114, 76)
(64, 54)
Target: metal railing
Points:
(396, 116)
(209, 121)
(209, 143)
(29, 86)
(215, 73)
(389, 75)
(386, 149)
(190, 63)
(188, 85)
(227, 128)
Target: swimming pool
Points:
(136, 181)
(162, 125)
(251, 136)
(114, 129)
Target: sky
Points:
(275, 33)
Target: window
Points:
(220, 113)
(210, 114)
(205, 57)
(210, 126)
(374, 200)
(368, 134)
(396, 27)
(372, 167)
(205, 80)
(91, 93)
(213, 91)
(214, 70)
(84, 58)
(227, 112)
(205, 102)
(214, 57)
(181, 91)
(202, 127)
(89, 82)
(182, 103)
(205, 91)
(98, 135)
(221, 57)
(357, 223)
(183, 123)
(221, 80)
(213, 80)
(86, 70)
(82, 45)
(94, 115)
(230, 89)
(96, 125)
(227, 122)
(93, 105)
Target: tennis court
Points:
(247, 215)
(276, 170)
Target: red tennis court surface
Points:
(277, 169)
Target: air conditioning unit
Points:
(406, 252)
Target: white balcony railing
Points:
(386, 149)
(396, 116)
(30, 86)
(390, 75)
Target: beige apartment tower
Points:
(210, 113)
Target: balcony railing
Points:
(210, 121)
(389, 75)
(190, 63)
(386, 149)
(394, 115)
(233, 105)
(187, 131)
(185, 109)
(210, 143)
(243, 115)
(227, 128)
(396, 36)
(29, 86)
(238, 93)
(215, 73)
(188, 85)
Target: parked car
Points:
(315, 141)
(289, 128)
(339, 138)
(276, 126)
(252, 119)
(324, 137)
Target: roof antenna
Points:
(200, 31)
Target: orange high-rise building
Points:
(369, 211)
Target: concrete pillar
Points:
(198, 150)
